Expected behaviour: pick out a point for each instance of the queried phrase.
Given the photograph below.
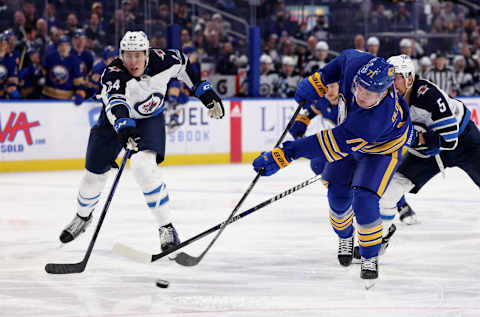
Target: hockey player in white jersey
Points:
(445, 137)
(133, 89)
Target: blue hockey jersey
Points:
(382, 129)
(63, 76)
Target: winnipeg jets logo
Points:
(113, 69)
(149, 105)
(160, 53)
(422, 90)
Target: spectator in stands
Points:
(269, 79)
(289, 49)
(19, 25)
(289, 78)
(380, 18)
(192, 54)
(29, 12)
(71, 25)
(402, 18)
(8, 71)
(42, 36)
(199, 43)
(56, 33)
(51, 18)
(271, 50)
(470, 63)
(160, 19)
(442, 75)
(425, 64)
(225, 64)
(62, 70)
(181, 14)
(464, 79)
(185, 38)
(212, 45)
(373, 45)
(359, 42)
(158, 40)
(406, 47)
(311, 47)
(319, 29)
(321, 53)
(280, 24)
(449, 17)
(6, 14)
(97, 8)
(31, 77)
(12, 46)
(96, 36)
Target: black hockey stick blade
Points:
(65, 268)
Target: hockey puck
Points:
(162, 283)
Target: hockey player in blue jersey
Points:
(362, 151)
(8, 71)
(62, 71)
(133, 92)
(327, 109)
(79, 42)
(93, 84)
(445, 133)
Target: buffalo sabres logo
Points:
(3, 73)
(149, 105)
(59, 74)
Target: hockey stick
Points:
(67, 268)
(144, 257)
(188, 260)
(441, 167)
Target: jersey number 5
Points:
(441, 105)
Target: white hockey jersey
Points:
(144, 96)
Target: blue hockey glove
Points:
(210, 99)
(15, 95)
(127, 133)
(310, 88)
(268, 163)
(78, 99)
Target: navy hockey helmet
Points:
(109, 51)
(376, 76)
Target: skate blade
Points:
(412, 220)
(369, 284)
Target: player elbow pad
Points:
(117, 112)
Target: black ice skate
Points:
(369, 271)
(168, 237)
(407, 215)
(77, 226)
(385, 243)
(345, 251)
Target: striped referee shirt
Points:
(444, 79)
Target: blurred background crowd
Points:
(298, 37)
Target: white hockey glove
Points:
(217, 111)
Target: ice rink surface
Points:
(278, 261)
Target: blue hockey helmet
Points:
(109, 51)
(63, 39)
(376, 76)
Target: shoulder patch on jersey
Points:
(114, 69)
(176, 54)
(422, 90)
(160, 53)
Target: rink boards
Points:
(53, 135)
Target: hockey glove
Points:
(15, 94)
(432, 143)
(310, 88)
(301, 123)
(210, 99)
(268, 163)
(127, 133)
(78, 99)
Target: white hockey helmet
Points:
(134, 41)
(403, 65)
